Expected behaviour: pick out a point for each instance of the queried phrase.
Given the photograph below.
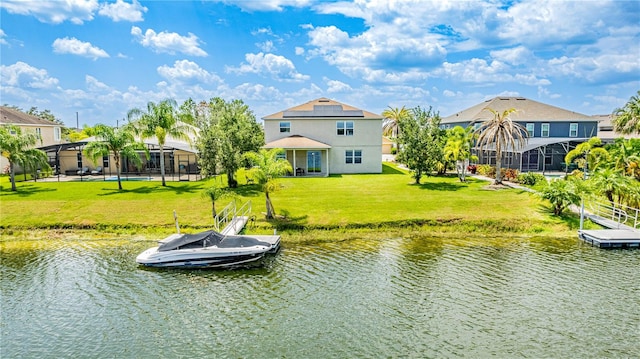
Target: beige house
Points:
(49, 131)
(606, 130)
(323, 137)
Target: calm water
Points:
(411, 298)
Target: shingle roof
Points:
(322, 108)
(12, 116)
(527, 110)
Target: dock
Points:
(611, 238)
(621, 227)
(235, 219)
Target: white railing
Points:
(620, 214)
(230, 214)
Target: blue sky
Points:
(103, 58)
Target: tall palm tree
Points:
(503, 133)
(458, 149)
(268, 166)
(119, 142)
(392, 117)
(18, 148)
(627, 119)
(160, 120)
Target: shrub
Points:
(530, 178)
(510, 174)
(483, 169)
(561, 193)
(472, 169)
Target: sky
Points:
(91, 61)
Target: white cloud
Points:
(23, 75)
(186, 71)
(299, 51)
(168, 42)
(266, 46)
(122, 11)
(76, 47)
(3, 41)
(268, 5)
(54, 12)
(278, 67)
(337, 86)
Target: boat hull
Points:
(201, 258)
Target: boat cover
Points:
(208, 239)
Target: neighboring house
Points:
(552, 132)
(323, 137)
(50, 132)
(605, 129)
(180, 159)
(387, 145)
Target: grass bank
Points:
(360, 205)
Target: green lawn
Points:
(380, 202)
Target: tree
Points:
(214, 193)
(18, 148)
(160, 121)
(609, 183)
(392, 118)
(503, 133)
(625, 156)
(561, 193)
(458, 149)
(119, 142)
(420, 142)
(267, 167)
(627, 118)
(229, 131)
(590, 154)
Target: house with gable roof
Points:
(323, 137)
(50, 132)
(552, 132)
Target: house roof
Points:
(606, 130)
(12, 116)
(323, 108)
(527, 110)
(296, 142)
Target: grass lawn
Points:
(375, 203)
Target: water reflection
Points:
(407, 297)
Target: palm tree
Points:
(502, 132)
(160, 120)
(119, 142)
(627, 119)
(392, 118)
(17, 148)
(214, 193)
(268, 166)
(458, 149)
(609, 183)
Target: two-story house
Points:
(323, 137)
(552, 132)
(50, 133)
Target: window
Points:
(573, 130)
(476, 125)
(281, 156)
(56, 134)
(39, 132)
(353, 156)
(79, 158)
(344, 128)
(285, 127)
(530, 128)
(105, 161)
(544, 130)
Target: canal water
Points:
(388, 298)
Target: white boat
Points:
(208, 249)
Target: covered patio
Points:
(537, 155)
(307, 157)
